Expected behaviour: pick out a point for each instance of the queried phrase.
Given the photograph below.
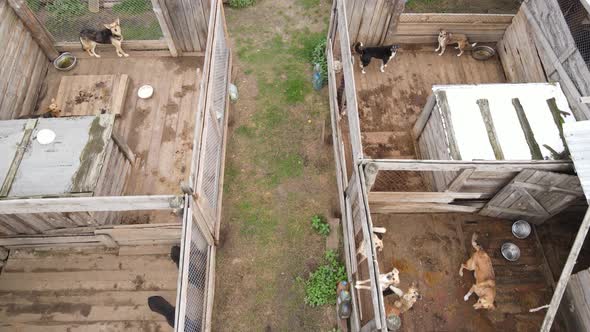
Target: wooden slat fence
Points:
(23, 65)
(196, 284)
(557, 50)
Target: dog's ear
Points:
(118, 21)
(108, 26)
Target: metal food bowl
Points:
(482, 52)
(521, 229)
(65, 61)
(510, 251)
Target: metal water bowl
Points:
(482, 52)
(510, 251)
(521, 229)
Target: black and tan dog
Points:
(110, 35)
(385, 53)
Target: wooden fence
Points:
(23, 65)
(202, 212)
(382, 22)
(540, 47)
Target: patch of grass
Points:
(256, 222)
(285, 166)
(65, 11)
(150, 32)
(241, 3)
(132, 7)
(295, 89)
(246, 131)
(269, 118)
(320, 225)
(308, 4)
(320, 288)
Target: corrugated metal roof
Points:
(577, 136)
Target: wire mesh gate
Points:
(578, 21)
(64, 19)
(202, 210)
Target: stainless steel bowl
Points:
(521, 229)
(482, 52)
(510, 251)
(65, 61)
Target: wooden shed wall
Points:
(188, 22)
(114, 173)
(518, 53)
(23, 66)
(555, 46)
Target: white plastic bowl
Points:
(45, 136)
(145, 91)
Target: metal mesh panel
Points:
(398, 181)
(64, 19)
(196, 289)
(578, 21)
(214, 118)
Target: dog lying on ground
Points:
(377, 239)
(110, 35)
(386, 281)
(447, 38)
(485, 280)
(406, 301)
(385, 53)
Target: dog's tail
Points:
(474, 243)
(358, 47)
(473, 45)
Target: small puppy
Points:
(387, 280)
(52, 111)
(485, 279)
(377, 239)
(447, 38)
(406, 301)
(111, 35)
(385, 53)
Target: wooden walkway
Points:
(86, 290)
(158, 130)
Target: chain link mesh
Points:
(64, 19)
(196, 291)
(214, 123)
(399, 181)
(578, 21)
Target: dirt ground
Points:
(463, 6)
(278, 174)
(429, 249)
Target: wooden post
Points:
(163, 18)
(424, 116)
(38, 31)
(486, 114)
(398, 9)
(566, 273)
(371, 172)
(527, 130)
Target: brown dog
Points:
(406, 301)
(447, 38)
(485, 280)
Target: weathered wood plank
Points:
(498, 166)
(420, 197)
(79, 204)
(37, 30)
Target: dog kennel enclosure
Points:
(89, 218)
(395, 156)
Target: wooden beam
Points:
(424, 116)
(488, 166)
(420, 197)
(486, 114)
(38, 31)
(90, 204)
(371, 171)
(349, 85)
(533, 201)
(459, 181)
(125, 149)
(137, 45)
(527, 130)
(18, 157)
(515, 211)
(566, 273)
(163, 18)
(534, 186)
(445, 110)
(422, 208)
